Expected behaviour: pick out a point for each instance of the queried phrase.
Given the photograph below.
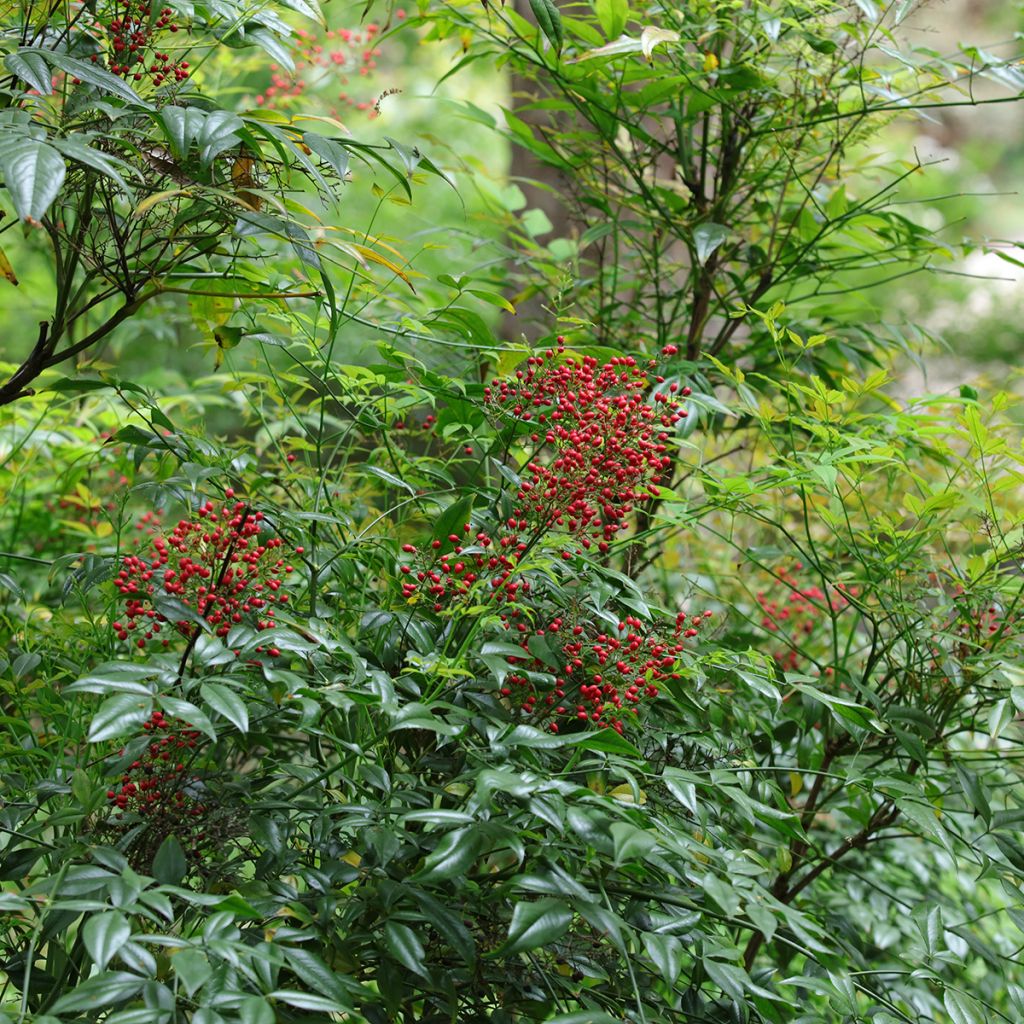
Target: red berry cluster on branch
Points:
(130, 39)
(602, 677)
(601, 445)
(797, 611)
(215, 562)
(445, 576)
(601, 437)
(162, 788)
(157, 782)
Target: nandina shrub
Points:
(378, 833)
(402, 814)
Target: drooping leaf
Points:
(227, 703)
(169, 864)
(550, 21)
(707, 237)
(33, 174)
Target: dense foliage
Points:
(662, 666)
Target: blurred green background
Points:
(381, 81)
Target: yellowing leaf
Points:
(367, 255)
(625, 794)
(6, 270)
(149, 202)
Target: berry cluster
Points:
(214, 562)
(157, 783)
(601, 677)
(162, 788)
(798, 611)
(601, 445)
(331, 59)
(600, 435)
(447, 575)
(130, 36)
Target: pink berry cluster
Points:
(601, 445)
(128, 31)
(602, 676)
(331, 60)
(215, 561)
(796, 609)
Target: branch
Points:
(42, 356)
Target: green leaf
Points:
(33, 173)
(115, 677)
(631, 843)
(181, 126)
(118, 715)
(612, 15)
(104, 935)
(220, 131)
(91, 73)
(666, 952)
(169, 864)
(550, 22)
(187, 711)
(306, 1001)
(584, 1017)
(707, 238)
(99, 992)
(962, 1009)
(974, 792)
(449, 926)
(536, 923)
(316, 974)
(226, 703)
(30, 67)
(256, 1010)
(333, 154)
(452, 856)
(401, 942)
(452, 520)
(77, 150)
(839, 706)
(272, 45)
(191, 968)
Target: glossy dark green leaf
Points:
(104, 934)
(550, 21)
(536, 923)
(33, 173)
(170, 865)
(119, 715)
(453, 856)
(402, 943)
